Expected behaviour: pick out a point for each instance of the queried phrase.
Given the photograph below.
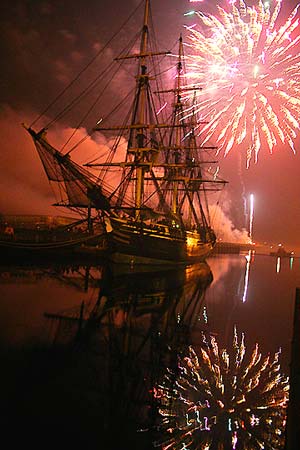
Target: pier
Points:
(232, 247)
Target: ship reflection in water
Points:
(139, 360)
(130, 331)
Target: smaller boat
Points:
(76, 238)
(281, 252)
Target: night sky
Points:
(43, 46)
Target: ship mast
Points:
(178, 118)
(187, 178)
(142, 82)
(143, 145)
(182, 156)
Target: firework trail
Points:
(216, 399)
(248, 65)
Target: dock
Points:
(232, 247)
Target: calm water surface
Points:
(100, 377)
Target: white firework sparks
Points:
(248, 65)
(220, 399)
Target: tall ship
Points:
(150, 188)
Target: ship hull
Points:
(145, 245)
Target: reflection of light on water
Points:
(205, 316)
(246, 282)
(278, 265)
(212, 395)
(236, 266)
(234, 440)
(221, 267)
(251, 217)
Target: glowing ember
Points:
(216, 399)
(247, 62)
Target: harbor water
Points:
(85, 347)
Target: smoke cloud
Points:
(25, 188)
(224, 225)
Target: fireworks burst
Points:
(249, 67)
(218, 400)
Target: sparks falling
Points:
(247, 62)
(220, 399)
